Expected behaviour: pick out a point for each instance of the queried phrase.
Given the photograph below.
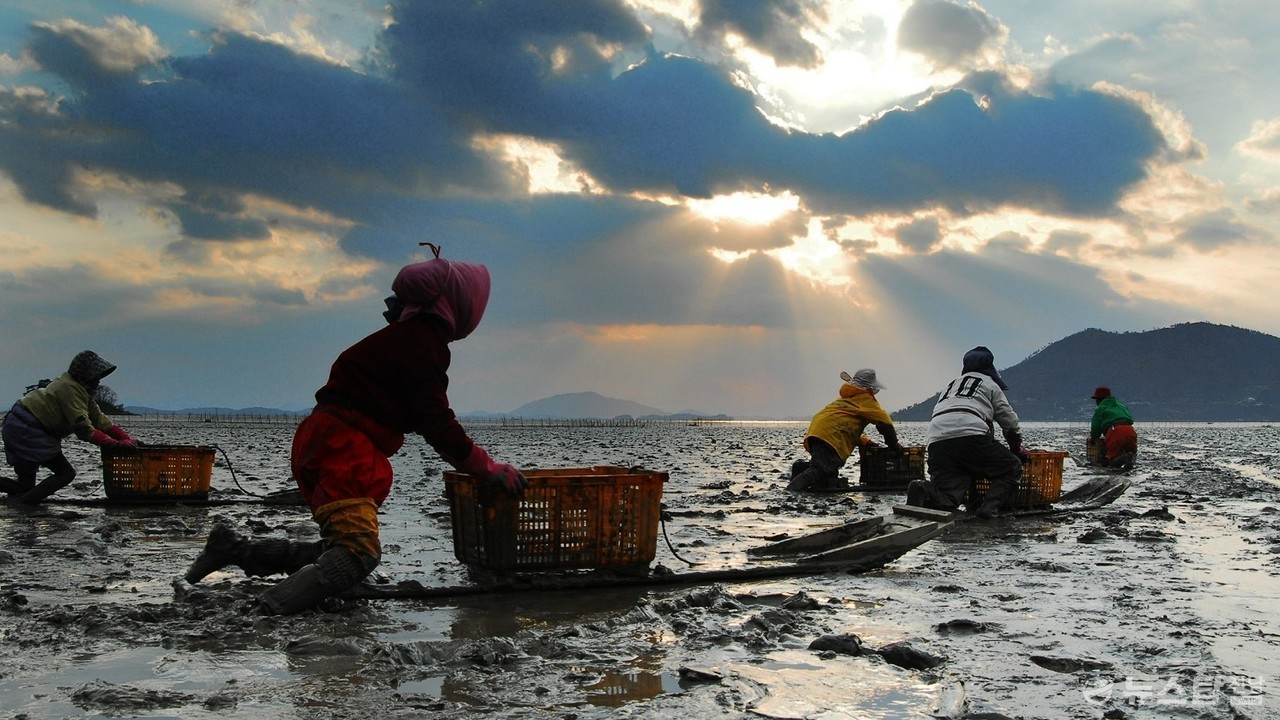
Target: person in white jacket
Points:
(961, 441)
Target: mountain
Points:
(1190, 372)
(582, 405)
(218, 411)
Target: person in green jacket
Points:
(1111, 431)
(34, 428)
(836, 431)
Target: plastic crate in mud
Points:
(597, 517)
(157, 472)
(1041, 482)
(1093, 452)
(886, 468)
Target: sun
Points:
(746, 208)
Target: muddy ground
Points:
(1160, 605)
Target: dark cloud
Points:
(920, 235)
(773, 27)
(1218, 230)
(947, 34)
(1068, 242)
(251, 117)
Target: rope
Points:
(233, 473)
(662, 519)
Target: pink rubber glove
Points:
(479, 464)
(120, 436)
(102, 439)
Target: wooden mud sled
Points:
(854, 547)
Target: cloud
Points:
(947, 34)
(1263, 141)
(773, 27)
(84, 55)
(1217, 230)
(922, 234)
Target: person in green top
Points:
(1111, 431)
(34, 428)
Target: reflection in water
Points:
(618, 687)
(507, 615)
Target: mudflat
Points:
(1160, 604)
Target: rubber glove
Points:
(120, 436)
(102, 439)
(479, 464)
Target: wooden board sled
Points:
(857, 546)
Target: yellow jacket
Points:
(840, 423)
(64, 407)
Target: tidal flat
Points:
(1159, 605)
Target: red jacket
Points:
(398, 378)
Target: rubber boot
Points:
(256, 557)
(336, 570)
(994, 500)
(1124, 461)
(10, 486)
(923, 493)
(224, 547)
(299, 591)
(45, 488)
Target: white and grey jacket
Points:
(971, 405)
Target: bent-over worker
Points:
(961, 441)
(37, 423)
(1111, 430)
(387, 385)
(837, 430)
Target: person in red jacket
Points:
(36, 425)
(391, 383)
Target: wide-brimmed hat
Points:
(1101, 392)
(864, 378)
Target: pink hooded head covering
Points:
(455, 292)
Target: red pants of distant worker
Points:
(1119, 439)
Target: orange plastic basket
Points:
(157, 472)
(598, 517)
(1041, 482)
(886, 468)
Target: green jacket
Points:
(1110, 411)
(64, 406)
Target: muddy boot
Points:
(255, 557)
(224, 547)
(917, 491)
(45, 488)
(923, 493)
(1124, 461)
(988, 509)
(334, 571)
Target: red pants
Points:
(1119, 439)
(333, 461)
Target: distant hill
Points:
(218, 411)
(1189, 372)
(590, 405)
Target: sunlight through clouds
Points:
(681, 188)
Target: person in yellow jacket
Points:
(836, 431)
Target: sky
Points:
(705, 205)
